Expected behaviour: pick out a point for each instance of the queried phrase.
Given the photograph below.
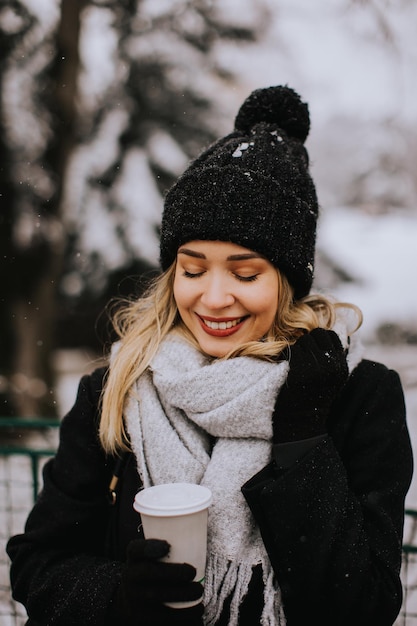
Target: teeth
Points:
(222, 325)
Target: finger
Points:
(296, 348)
(164, 615)
(185, 592)
(321, 337)
(191, 616)
(336, 342)
(159, 571)
(301, 351)
(157, 593)
(147, 549)
(326, 339)
(334, 351)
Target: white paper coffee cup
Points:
(177, 512)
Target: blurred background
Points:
(102, 104)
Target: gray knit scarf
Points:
(176, 409)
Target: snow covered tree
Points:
(152, 104)
(102, 103)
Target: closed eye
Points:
(191, 274)
(246, 279)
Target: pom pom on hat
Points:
(252, 188)
(280, 106)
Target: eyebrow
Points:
(232, 257)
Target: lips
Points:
(221, 327)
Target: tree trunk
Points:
(37, 266)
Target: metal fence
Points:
(408, 615)
(25, 445)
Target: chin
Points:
(215, 351)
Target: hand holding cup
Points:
(147, 583)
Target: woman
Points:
(229, 374)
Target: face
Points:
(226, 294)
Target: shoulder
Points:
(88, 396)
(91, 385)
(372, 381)
(372, 370)
(80, 460)
(82, 420)
(370, 412)
(371, 404)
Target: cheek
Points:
(177, 291)
(182, 292)
(266, 315)
(268, 309)
(265, 301)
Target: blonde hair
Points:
(143, 323)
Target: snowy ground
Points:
(379, 254)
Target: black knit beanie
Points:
(252, 188)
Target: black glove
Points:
(318, 371)
(147, 582)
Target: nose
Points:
(216, 294)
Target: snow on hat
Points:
(252, 188)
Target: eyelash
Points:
(247, 279)
(243, 279)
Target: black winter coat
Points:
(332, 523)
